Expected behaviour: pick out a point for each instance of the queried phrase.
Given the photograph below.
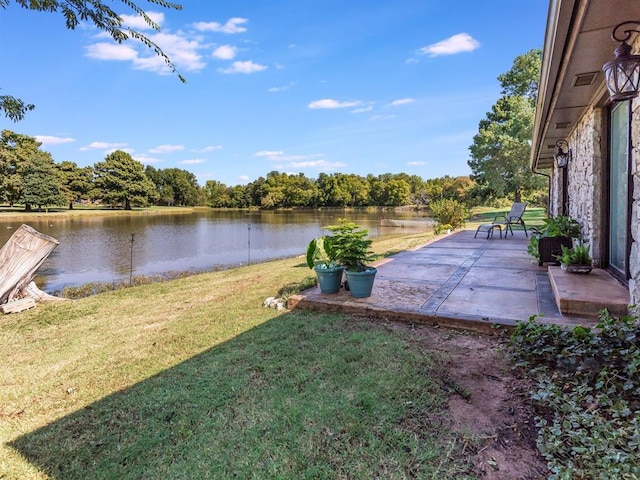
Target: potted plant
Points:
(576, 259)
(546, 242)
(352, 249)
(321, 257)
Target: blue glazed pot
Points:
(329, 279)
(361, 283)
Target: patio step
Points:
(586, 295)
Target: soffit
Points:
(578, 41)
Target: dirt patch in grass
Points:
(489, 405)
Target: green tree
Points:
(523, 77)
(122, 181)
(102, 17)
(216, 194)
(76, 183)
(332, 192)
(174, 186)
(40, 183)
(27, 174)
(15, 150)
(239, 197)
(500, 150)
(398, 192)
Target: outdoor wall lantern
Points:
(622, 74)
(562, 158)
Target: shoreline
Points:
(14, 214)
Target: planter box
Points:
(576, 268)
(549, 247)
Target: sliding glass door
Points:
(619, 190)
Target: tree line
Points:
(29, 176)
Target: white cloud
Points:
(225, 52)
(50, 140)
(103, 146)
(330, 103)
(243, 67)
(232, 26)
(146, 160)
(416, 164)
(376, 118)
(318, 164)
(184, 53)
(269, 153)
(461, 42)
(288, 86)
(111, 51)
(244, 178)
(314, 160)
(208, 148)
(402, 101)
(195, 161)
(138, 23)
(166, 148)
(363, 109)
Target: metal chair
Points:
(514, 217)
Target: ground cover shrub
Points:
(587, 395)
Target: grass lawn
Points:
(193, 378)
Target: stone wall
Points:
(585, 179)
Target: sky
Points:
(349, 86)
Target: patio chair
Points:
(514, 217)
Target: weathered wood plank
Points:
(19, 305)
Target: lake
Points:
(95, 248)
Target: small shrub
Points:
(439, 228)
(449, 212)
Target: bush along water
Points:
(587, 395)
(449, 214)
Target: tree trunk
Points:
(20, 258)
(127, 204)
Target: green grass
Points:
(193, 378)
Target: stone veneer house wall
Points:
(600, 186)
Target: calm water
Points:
(99, 249)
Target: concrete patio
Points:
(478, 283)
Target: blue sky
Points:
(351, 86)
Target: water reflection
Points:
(99, 248)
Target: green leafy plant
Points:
(587, 395)
(321, 253)
(578, 255)
(351, 246)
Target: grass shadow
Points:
(301, 396)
